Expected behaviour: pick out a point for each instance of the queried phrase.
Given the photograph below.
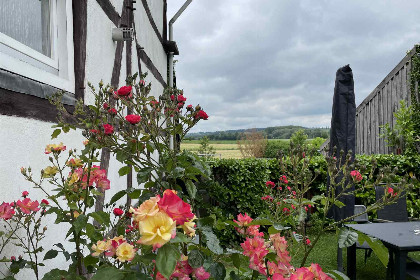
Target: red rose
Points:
(25, 194)
(133, 119)
(94, 131)
(175, 207)
(106, 106)
(180, 104)
(181, 98)
(118, 212)
(124, 91)
(44, 201)
(172, 97)
(108, 129)
(189, 107)
(112, 111)
(201, 115)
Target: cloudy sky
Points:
(259, 63)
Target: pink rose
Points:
(357, 177)
(201, 274)
(6, 211)
(175, 207)
(27, 205)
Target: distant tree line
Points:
(276, 132)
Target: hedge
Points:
(239, 184)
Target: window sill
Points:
(27, 70)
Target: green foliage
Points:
(415, 92)
(239, 185)
(275, 147)
(317, 142)
(166, 259)
(380, 250)
(205, 148)
(298, 138)
(403, 134)
(346, 238)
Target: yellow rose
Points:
(74, 162)
(50, 171)
(125, 252)
(55, 148)
(73, 178)
(157, 230)
(147, 209)
(76, 214)
(100, 247)
(189, 226)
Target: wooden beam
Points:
(151, 20)
(141, 54)
(29, 106)
(109, 10)
(79, 39)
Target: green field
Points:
(224, 148)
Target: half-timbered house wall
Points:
(88, 54)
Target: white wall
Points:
(23, 140)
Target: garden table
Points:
(399, 237)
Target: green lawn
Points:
(325, 253)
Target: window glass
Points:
(27, 21)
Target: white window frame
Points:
(62, 51)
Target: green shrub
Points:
(239, 185)
(275, 146)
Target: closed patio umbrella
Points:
(343, 132)
(343, 138)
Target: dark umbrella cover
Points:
(343, 133)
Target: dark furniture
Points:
(362, 219)
(396, 212)
(398, 237)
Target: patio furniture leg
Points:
(351, 262)
(400, 265)
(390, 267)
(340, 259)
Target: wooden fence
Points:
(378, 108)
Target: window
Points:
(36, 40)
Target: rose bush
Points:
(156, 233)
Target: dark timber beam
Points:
(116, 72)
(79, 40)
(141, 54)
(110, 11)
(151, 20)
(29, 106)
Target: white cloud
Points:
(264, 63)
